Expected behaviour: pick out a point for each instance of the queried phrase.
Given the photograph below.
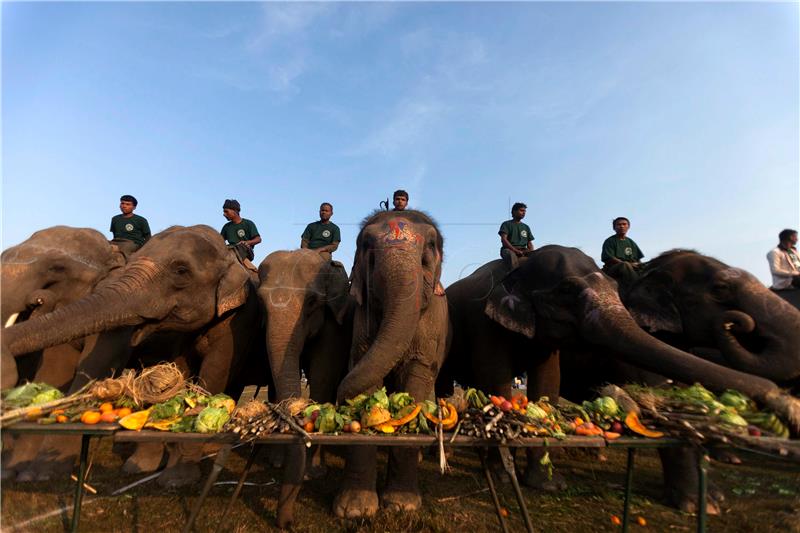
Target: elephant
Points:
(52, 268)
(400, 338)
(308, 314)
(184, 286)
(505, 324)
(698, 302)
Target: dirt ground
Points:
(761, 495)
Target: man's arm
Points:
(530, 240)
(508, 245)
(145, 230)
(776, 268)
(329, 248)
(607, 257)
(252, 242)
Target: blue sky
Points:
(683, 117)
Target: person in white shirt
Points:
(784, 262)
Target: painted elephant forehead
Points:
(399, 231)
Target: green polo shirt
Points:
(134, 228)
(318, 234)
(517, 233)
(243, 231)
(623, 249)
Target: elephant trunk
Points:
(608, 323)
(111, 307)
(284, 351)
(777, 326)
(402, 304)
(88, 316)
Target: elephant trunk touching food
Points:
(284, 349)
(606, 322)
(765, 342)
(113, 306)
(398, 287)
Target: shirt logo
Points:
(128, 227)
(523, 233)
(240, 233)
(326, 233)
(628, 251)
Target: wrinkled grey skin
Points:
(183, 280)
(52, 268)
(559, 299)
(308, 313)
(400, 337)
(697, 302)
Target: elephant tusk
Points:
(727, 326)
(12, 319)
(39, 301)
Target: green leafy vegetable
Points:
(211, 420)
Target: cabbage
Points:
(379, 398)
(606, 406)
(169, 409)
(23, 395)
(222, 401)
(326, 419)
(398, 400)
(211, 420)
(47, 395)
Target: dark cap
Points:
(232, 204)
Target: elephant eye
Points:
(720, 290)
(57, 269)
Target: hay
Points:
(153, 385)
(251, 409)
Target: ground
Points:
(762, 494)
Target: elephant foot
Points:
(687, 502)
(47, 470)
(401, 500)
(537, 478)
(7, 474)
(147, 458)
(315, 472)
(180, 475)
(355, 503)
(725, 456)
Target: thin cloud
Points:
(407, 126)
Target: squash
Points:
(376, 416)
(135, 421)
(633, 423)
(406, 419)
(163, 425)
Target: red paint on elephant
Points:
(400, 233)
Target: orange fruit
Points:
(90, 417)
(615, 520)
(109, 416)
(123, 411)
(309, 427)
(641, 521)
(106, 407)
(61, 419)
(57, 412)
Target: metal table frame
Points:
(86, 433)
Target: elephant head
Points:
(299, 291)
(54, 267)
(704, 303)
(559, 295)
(395, 275)
(181, 280)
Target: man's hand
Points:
(519, 253)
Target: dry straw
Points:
(154, 384)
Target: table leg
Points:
(250, 460)
(626, 510)
(490, 482)
(702, 490)
(508, 464)
(219, 463)
(76, 510)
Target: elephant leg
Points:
(402, 488)
(55, 458)
(20, 458)
(146, 458)
(544, 379)
(58, 365)
(357, 497)
(681, 481)
(182, 466)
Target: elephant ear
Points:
(651, 302)
(233, 288)
(358, 279)
(336, 291)
(116, 259)
(510, 309)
